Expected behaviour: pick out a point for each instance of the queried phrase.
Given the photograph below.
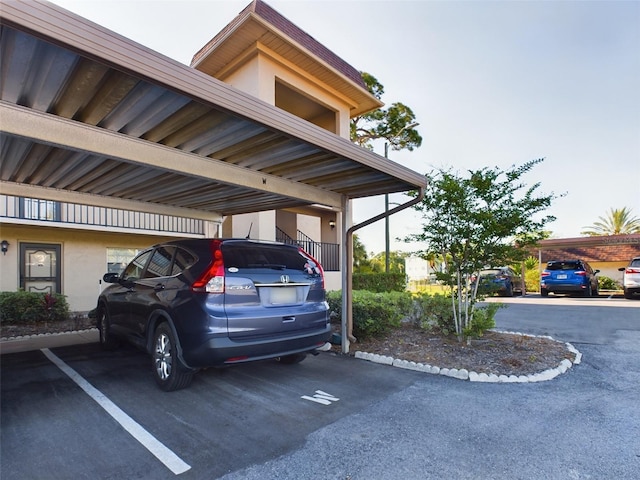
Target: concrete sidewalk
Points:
(47, 340)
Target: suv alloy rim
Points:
(162, 355)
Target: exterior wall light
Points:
(4, 246)
(332, 224)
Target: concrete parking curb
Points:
(463, 374)
(47, 340)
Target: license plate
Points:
(561, 277)
(282, 295)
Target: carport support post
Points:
(347, 268)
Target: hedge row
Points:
(379, 282)
(374, 314)
(28, 307)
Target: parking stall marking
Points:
(159, 450)
(321, 397)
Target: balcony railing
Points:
(328, 254)
(38, 210)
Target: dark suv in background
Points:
(206, 302)
(569, 276)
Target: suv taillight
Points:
(582, 273)
(632, 270)
(545, 274)
(212, 280)
(313, 266)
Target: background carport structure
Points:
(90, 117)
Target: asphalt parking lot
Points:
(331, 416)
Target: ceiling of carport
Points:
(90, 113)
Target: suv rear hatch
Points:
(564, 272)
(271, 289)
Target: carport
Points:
(91, 117)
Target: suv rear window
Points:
(254, 255)
(564, 266)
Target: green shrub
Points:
(374, 314)
(29, 307)
(379, 282)
(435, 311)
(483, 320)
(532, 280)
(606, 283)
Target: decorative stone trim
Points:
(462, 374)
(39, 335)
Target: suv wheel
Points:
(168, 371)
(509, 292)
(544, 292)
(107, 340)
(588, 292)
(292, 359)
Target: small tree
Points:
(394, 124)
(361, 262)
(396, 262)
(487, 219)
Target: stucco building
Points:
(604, 253)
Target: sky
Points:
(491, 83)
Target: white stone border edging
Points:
(50, 334)
(463, 374)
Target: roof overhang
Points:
(87, 113)
(259, 27)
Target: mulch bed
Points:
(495, 352)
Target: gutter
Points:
(347, 267)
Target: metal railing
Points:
(38, 210)
(328, 254)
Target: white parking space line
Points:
(162, 453)
(321, 397)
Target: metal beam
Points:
(57, 195)
(53, 130)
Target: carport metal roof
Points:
(89, 116)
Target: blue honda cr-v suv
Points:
(205, 302)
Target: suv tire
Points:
(169, 372)
(107, 340)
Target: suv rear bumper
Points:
(225, 351)
(564, 288)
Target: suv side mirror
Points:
(622, 269)
(596, 272)
(111, 277)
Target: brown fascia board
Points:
(296, 36)
(631, 239)
(307, 41)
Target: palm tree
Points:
(618, 222)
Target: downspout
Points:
(347, 264)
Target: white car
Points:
(631, 278)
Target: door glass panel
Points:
(182, 261)
(40, 268)
(160, 264)
(134, 269)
